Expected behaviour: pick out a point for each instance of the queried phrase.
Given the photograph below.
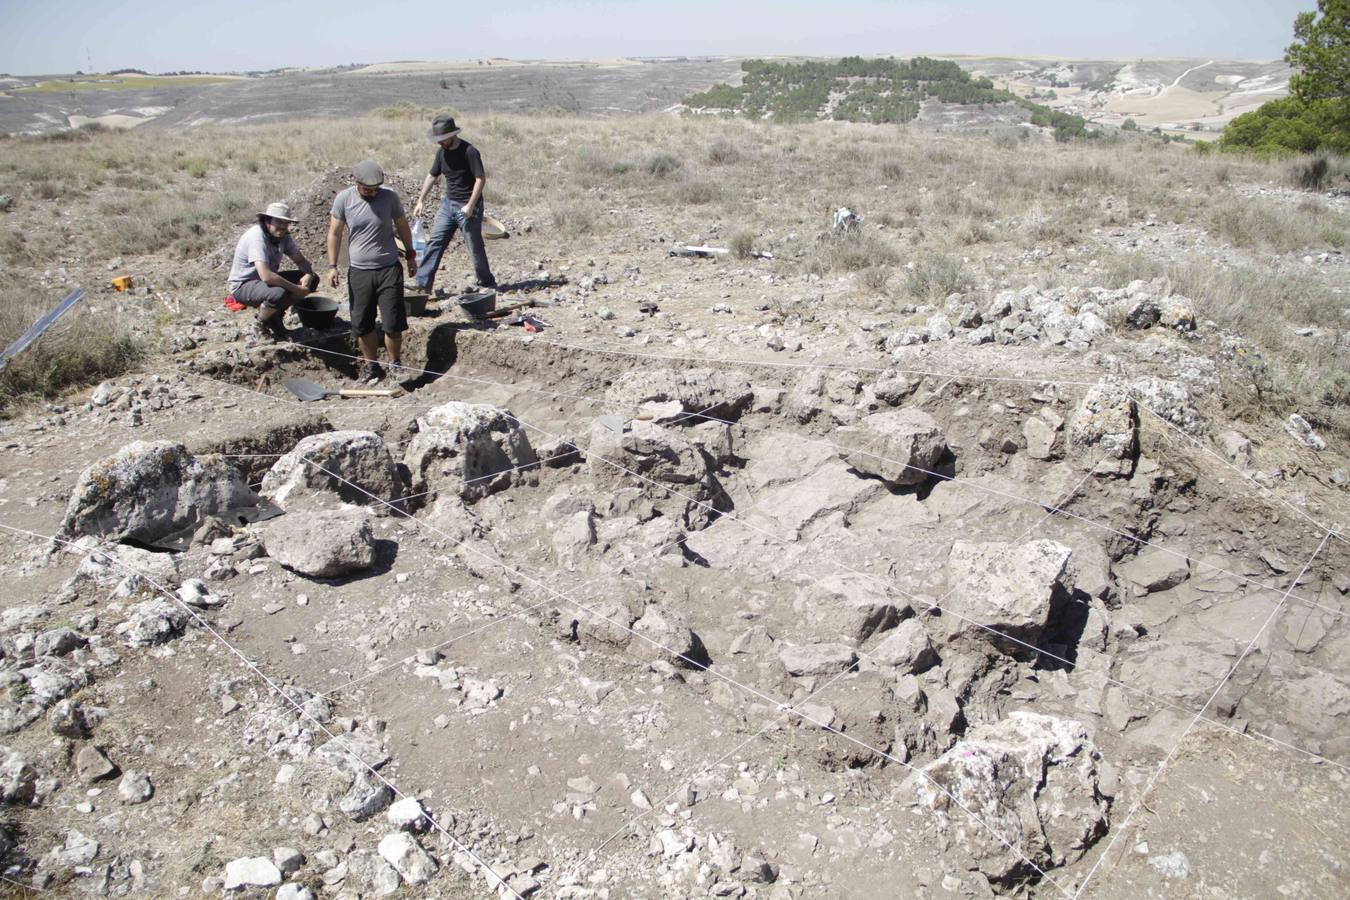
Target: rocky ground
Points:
(732, 581)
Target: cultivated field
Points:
(969, 552)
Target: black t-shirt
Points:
(460, 167)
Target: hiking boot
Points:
(262, 331)
(368, 372)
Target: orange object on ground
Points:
(232, 304)
(122, 283)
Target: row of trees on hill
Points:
(1316, 115)
(854, 89)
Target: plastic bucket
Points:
(316, 312)
(478, 303)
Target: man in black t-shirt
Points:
(459, 163)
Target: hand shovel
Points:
(308, 390)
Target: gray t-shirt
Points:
(254, 247)
(370, 225)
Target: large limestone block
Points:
(325, 470)
(702, 394)
(1106, 423)
(653, 457)
(150, 490)
(322, 544)
(468, 450)
(1006, 587)
(901, 447)
(1019, 791)
(792, 509)
(848, 605)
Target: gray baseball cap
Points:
(369, 173)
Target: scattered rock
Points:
(702, 394)
(667, 636)
(153, 622)
(288, 860)
(92, 764)
(1155, 569)
(660, 455)
(1106, 423)
(402, 851)
(1298, 428)
(135, 787)
(369, 870)
(368, 796)
(1042, 432)
(322, 544)
(1174, 866)
(408, 814)
(72, 719)
(18, 778)
(257, 871)
(817, 659)
(907, 649)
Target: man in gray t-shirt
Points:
(371, 214)
(256, 277)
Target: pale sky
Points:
(163, 35)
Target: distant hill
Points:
(853, 89)
(1172, 94)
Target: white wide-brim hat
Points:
(279, 211)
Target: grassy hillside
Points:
(943, 212)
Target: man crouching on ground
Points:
(371, 213)
(256, 278)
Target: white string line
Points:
(885, 585)
(1265, 491)
(251, 666)
(708, 670)
(928, 472)
(775, 722)
(1177, 746)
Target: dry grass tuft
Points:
(83, 348)
(936, 275)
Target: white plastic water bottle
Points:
(418, 244)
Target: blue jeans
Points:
(449, 219)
